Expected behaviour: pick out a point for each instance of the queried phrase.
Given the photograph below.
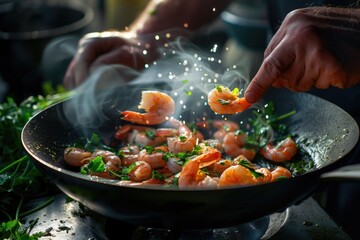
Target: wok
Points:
(330, 135)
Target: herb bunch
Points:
(19, 179)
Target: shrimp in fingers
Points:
(191, 174)
(158, 108)
(223, 101)
(282, 152)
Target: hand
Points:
(113, 47)
(314, 47)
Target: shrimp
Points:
(143, 139)
(220, 166)
(266, 175)
(283, 151)
(223, 128)
(234, 145)
(111, 160)
(76, 156)
(174, 165)
(243, 172)
(154, 138)
(157, 105)
(280, 173)
(237, 175)
(141, 172)
(223, 101)
(192, 176)
(130, 154)
(123, 132)
(155, 158)
(186, 140)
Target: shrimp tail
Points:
(134, 117)
(242, 104)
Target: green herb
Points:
(188, 92)
(13, 229)
(235, 91)
(150, 134)
(149, 149)
(265, 123)
(157, 175)
(153, 12)
(96, 165)
(251, 169)
(224, 102)
(185, 81)
(18, 175)
(182, 138)
(218, 88)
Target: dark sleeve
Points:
(278, 9)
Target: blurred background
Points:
(36, 35)
(28, 27)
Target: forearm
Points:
(188, 15)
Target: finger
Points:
(69, 79)
(270, 71)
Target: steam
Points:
(186, 72)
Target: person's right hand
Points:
(112, 47)
(314, 48)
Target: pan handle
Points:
(346, 173)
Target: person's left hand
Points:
(97, 49)
(314, 47)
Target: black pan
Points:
(331, 134)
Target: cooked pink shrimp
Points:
(130, 154)
(76, 156)
(155, 158)
(212, 143)
(191, 174)
(234, 145)
(223, 128)
(220, 166)
(173, 165)
(280, 173)
(227, 125)
(141, 172)
(143, 139)
(111, 160)
(236, 175)
(283, 151)
(123, 132)
(223, 101)
(266, 175)
(186, 140)
(157, 105)
(154, 138)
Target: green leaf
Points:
(95, 165)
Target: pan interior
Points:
(324, 130)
